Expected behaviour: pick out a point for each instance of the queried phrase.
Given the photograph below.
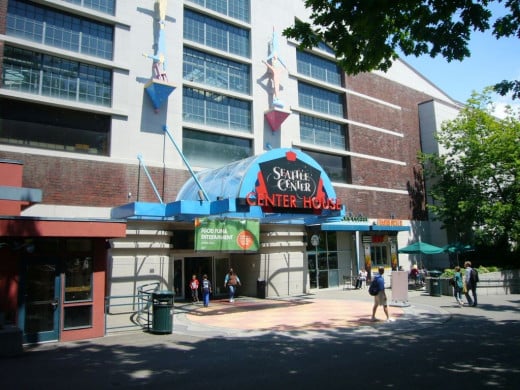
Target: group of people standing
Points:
(465, 284)
(231, 282)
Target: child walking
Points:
(206, 290)
(194, 286)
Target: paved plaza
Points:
(320, 340)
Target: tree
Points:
(366, 34)
(475, 184)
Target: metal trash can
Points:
(434, 283)
(162, 321)
(260, 289)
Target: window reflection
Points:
(78, 279)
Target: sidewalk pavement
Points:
(307, 315)
(312, 316)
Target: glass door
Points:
(39, 312)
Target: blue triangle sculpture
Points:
(158, 91)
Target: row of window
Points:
(216, 34)
(104, 6)
(42, 74)
(237, 9)
(58, 29)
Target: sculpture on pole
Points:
(158, 88)
(159, 58)
(275, 67)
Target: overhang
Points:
(279, 186)
(344, 227)
(38, 227)
(390, 228)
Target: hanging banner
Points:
(227, 235)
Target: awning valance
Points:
(345, 227)
(390, 228)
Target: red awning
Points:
(33, 227)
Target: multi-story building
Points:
(113, 109)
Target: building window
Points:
(318, 68)
(379, 255)
(322, 132)
(42, 74)
(211, 150)
(53, 28)
(336, 167)
(79, 271)
(237, 9)
(216, 34)
(320, 100)
(216, 71)
(217, 110)
(53, 128)
(78, 279)
(104, 6)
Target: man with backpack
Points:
(471, 280)
(377, 290)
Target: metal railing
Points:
(130, 312)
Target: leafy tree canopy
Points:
(366, 34)
(476, 178)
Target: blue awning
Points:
(390, 228)
(344, 226)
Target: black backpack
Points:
(374, 287)
(474, 276)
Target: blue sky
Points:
(492, 60)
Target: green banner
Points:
(227, 235)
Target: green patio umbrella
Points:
(421, 248)
(458, 247)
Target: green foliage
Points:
(476, 181)
(450, 272)
(366, 34)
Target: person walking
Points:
(194, 287)
(380, 298)
(206, 290)
(231, 281)
(458, 286)
(471, 280)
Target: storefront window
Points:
(77, 317)
(78, 279)
(379, 254)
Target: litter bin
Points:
(162, 320)
(434, 283)
(260, 289)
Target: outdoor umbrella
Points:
(421, 248)
(458, 247)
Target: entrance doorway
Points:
(39, 300)
(215, 267)
(197, 266)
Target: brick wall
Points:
(69, 181)
(385, 175)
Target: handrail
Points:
(140, 308)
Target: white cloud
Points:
(501, 103)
